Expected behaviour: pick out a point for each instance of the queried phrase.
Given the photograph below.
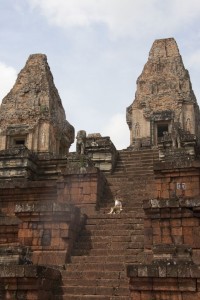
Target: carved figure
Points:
(188, 125)
(43, 138)
(166, 136)
(117, 208)
(175, 134)
(137, 129)
(80, 141)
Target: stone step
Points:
(134, 208)
(102, 232)
(115, 266)
(114, 238)
(143, 171)
(105, 259)
(90, 297)
(112, 226)
(131, 152)
(134, 169)
(136, 154)
(108, 245)
(96, 290)
(100, 222)
(130, 176)
(112, 231)
(95, 282)
(134, 180)
(151, 160)
(135, 162)
(131, 173)
(129, 199)
(117, 217)
(105, 252)
(105, 209)
(116, 179)
(128, 195)
(89, 274)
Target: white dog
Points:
(117, 208)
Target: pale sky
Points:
(96, 50)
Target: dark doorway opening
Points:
(162, 128)
(19, 142)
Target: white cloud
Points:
(8, 76)
(127, 17)
(118, 131)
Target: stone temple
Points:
(57, 238)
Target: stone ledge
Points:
(29, 271)
(50, 207)
(172, 203)
(22, 184)
(164, 269)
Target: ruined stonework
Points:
(32, 114)
(57, 238)
(101, 151)
(165, 111)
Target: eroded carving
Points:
(176, 138)
(80, 141)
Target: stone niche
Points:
(32, 114)
(164, 113)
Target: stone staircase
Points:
(133, 178)
(107, 243)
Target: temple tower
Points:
(165, 109)
(32, 114)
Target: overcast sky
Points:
(96, 50)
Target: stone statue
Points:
(175, 134)
(80, 141)
(188, 125)
(137, 130)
